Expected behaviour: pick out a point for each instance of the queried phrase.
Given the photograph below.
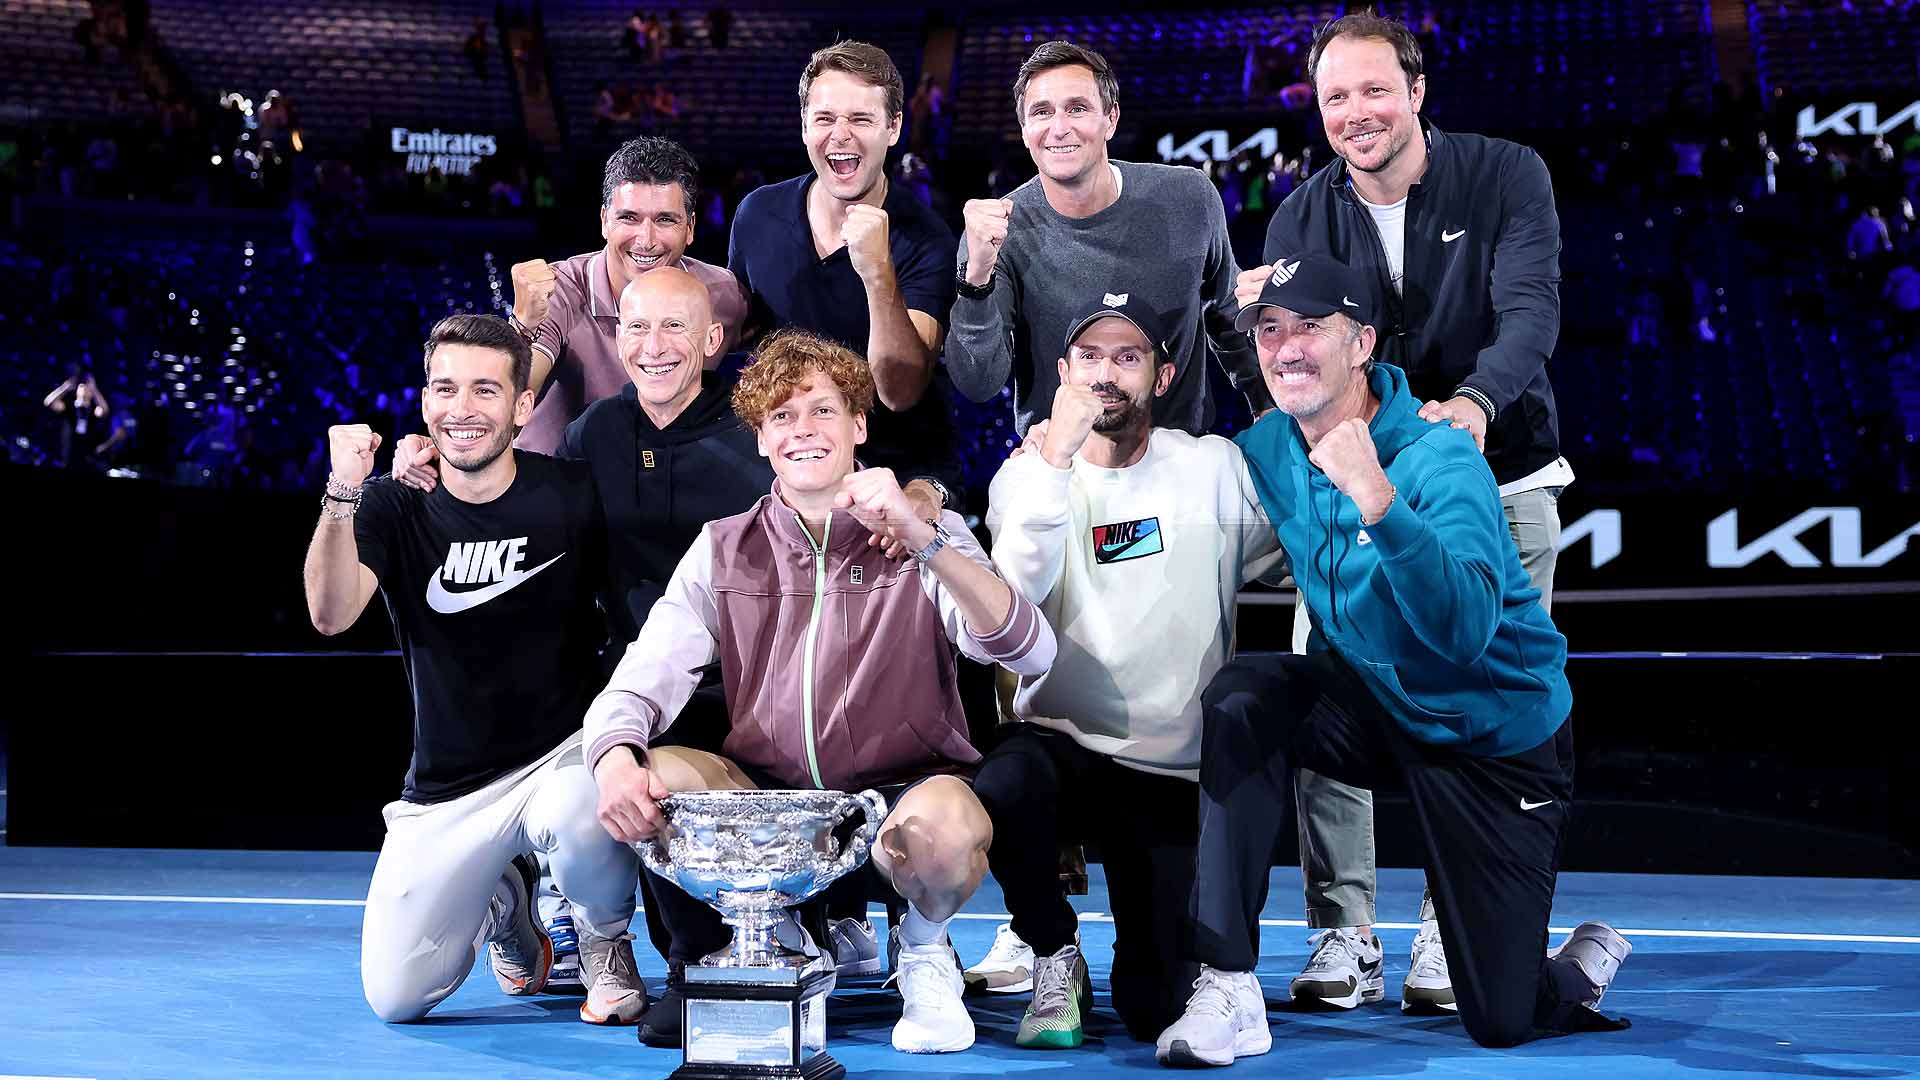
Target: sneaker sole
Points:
(614, 1019)
(953, 1047)
(983, 984)
(1181, 1054)
(1426, 1002)
(1306, 995)
(1051, 1040)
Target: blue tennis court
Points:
(175, 964)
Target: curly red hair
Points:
(786, 362)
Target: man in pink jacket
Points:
(838, 662)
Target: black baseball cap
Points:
(1310, 286)
(1121, 305)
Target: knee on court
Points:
(392, 1000)
(1498, 1032)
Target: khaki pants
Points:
(1337, 860)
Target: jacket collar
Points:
(843, 531)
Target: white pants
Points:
(426, 916)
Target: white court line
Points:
(982, 916)
(11, 1076)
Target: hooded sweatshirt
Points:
(1430, 604)
(659, 487)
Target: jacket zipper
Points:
(813, 630)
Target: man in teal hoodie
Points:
(1432, 667)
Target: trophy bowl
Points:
(753, 854)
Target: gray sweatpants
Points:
(1336, 821)
(427, 907)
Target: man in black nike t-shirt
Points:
(490, 580)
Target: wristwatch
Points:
(940, 538)
(969, 290)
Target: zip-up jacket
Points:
(1430, 604)
(837, 661)
(1481, 308)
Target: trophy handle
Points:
(653, 853)
(861, 842)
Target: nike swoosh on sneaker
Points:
(452, 603)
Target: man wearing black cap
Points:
(1134, 541)
(1432, 666)
(1460, 235)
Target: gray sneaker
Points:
(1597, 950)
(520, 950)
(615, 992)
(856, 948)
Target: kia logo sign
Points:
(1211, 146)
(1859, 118)
(1847, 545)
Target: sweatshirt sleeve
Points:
(1441, 549)
(1029, 519)
(1526, 287)
(1024, 644)
(661, 669)
(1261, 557)
(979, 351)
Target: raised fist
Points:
(532, 290)
(351, 448)
(986, 223)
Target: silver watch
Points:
(940, 539)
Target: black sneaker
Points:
(661, 1025)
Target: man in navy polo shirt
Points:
(841, 253)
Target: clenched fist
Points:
(986, 223)
(533, 286)
(1075, 408)
(1348, 457)
(875, 500)
(865, 233)
(351, 448)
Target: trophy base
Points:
(760, 1023)
(821, 1067)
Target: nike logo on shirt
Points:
(1525, 805)
(452, 603)
(1450, 237)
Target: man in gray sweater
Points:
(1036, 260)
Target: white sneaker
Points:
(1597, 950)
(518, 946)
(933, 1021)
(1343, 971)
(1428, 984)
(856, 948)
(1006, 969)
(615, 992)
(1226, 1018)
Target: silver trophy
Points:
(758, 1008)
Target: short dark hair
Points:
(1058, 54)
(1365, 24)
(485, 332)
(868, 63)
(650, 159)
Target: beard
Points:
(1121, 417)
(475, 458)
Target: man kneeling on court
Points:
(837, 661)
(1432, 666)
(490, 579)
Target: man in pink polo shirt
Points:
(568, 311)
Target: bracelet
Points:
(1392, 494)
(1480, 399)
(346, 514)
(340, 489)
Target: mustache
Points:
(1108, 389)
